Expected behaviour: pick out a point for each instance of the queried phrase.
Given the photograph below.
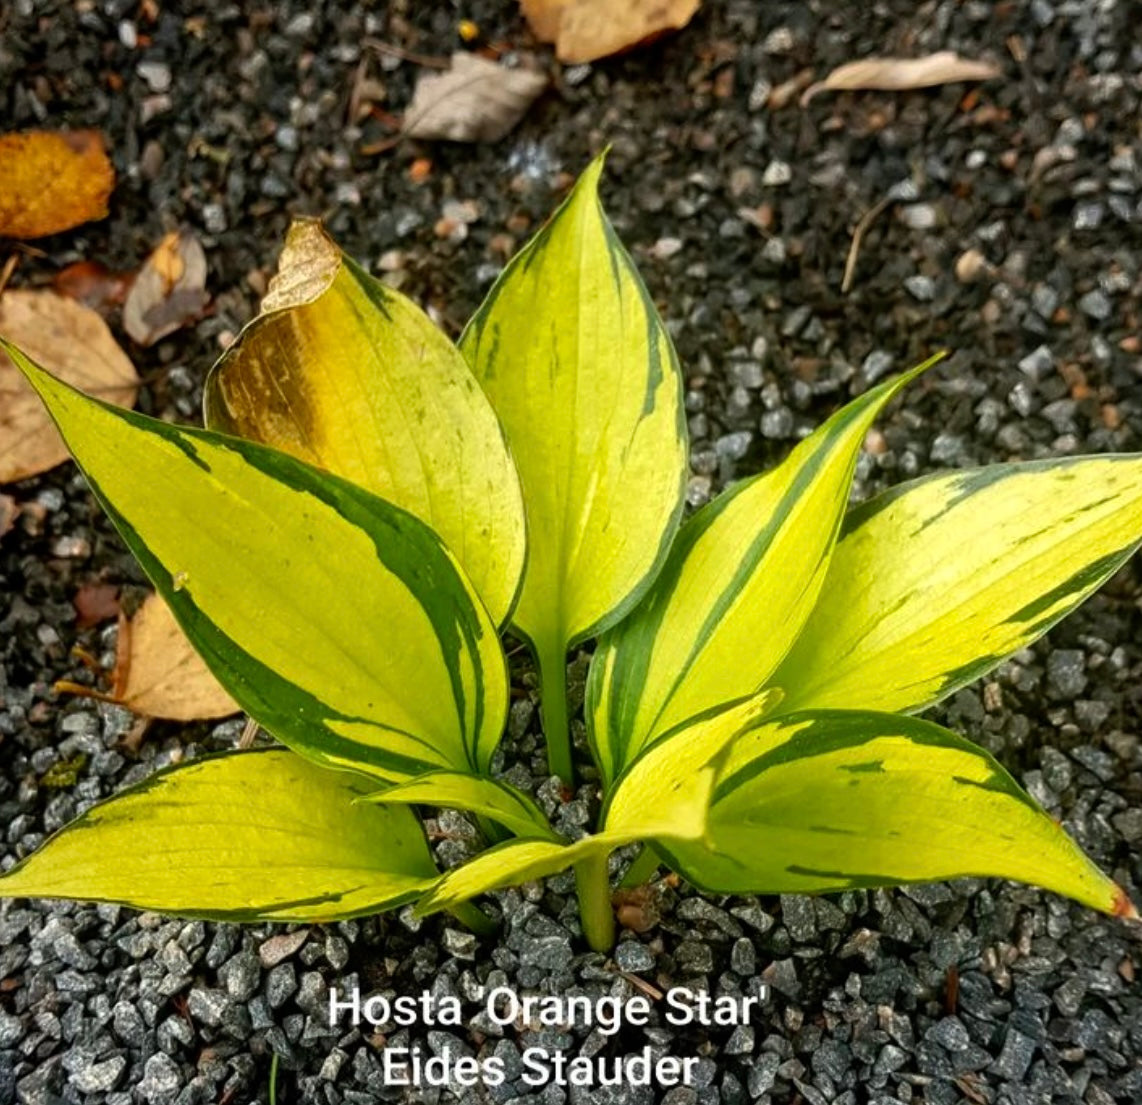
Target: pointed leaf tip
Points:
(1123, 907)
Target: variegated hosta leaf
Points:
(337, 620)
(666, 792)
(582, 373)
(509, 864)
(455, 790)
(737, 587)
(664, 795)
(353, 377)
(833, 799)
(936, 582)
(246, 836)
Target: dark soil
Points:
(740, 210)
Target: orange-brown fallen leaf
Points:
(157, 672)
(161, 675)
(169, 291)
(586, 30)
(72, 342)
(902, 74)
(52, 181)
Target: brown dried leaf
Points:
(475, 100)
(9, 508)
(72, 342)
(169, 291)
(586, 30)
(95, 603)
(94, 285)
(162, 675)
(902, 74)
(52, 181)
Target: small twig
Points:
(866, 221)
(648, 988)
(405, 55)
(249, 732)
(9, 268)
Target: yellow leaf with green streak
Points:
(509, 864)
(738, 585)
(353, 377)
(455, 790)
(664, 795)
(246, 836)
(667, 791)
(835, 799)
(337, 620)
(571, 351)
(956, 572)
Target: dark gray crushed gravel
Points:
(1012, 237)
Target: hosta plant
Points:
(371, 506)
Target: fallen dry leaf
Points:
(901, 74)
(94, 285)
(475, 100)
(159, 674)
(9, 508)
(95, 603)
(169, 291)
(586, 30)
(52, 181)
(72, 342)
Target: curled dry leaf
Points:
(901, 74)
(158, 673)
(169, 291)
(585, 30)
(475, 100)
(52, 181)
(73, 343)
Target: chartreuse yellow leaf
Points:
(956, 572)
(456, 790)
(509, 864)
(664, 795)
(833, 799)
(739, 584)
(338, 621)
(571, 351)
(353, 377)
(246, 836)
(666, 792)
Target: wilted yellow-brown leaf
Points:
(160, 675)
(72, 342)
(585, 30)
(52, 181)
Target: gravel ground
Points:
(1010, 235)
